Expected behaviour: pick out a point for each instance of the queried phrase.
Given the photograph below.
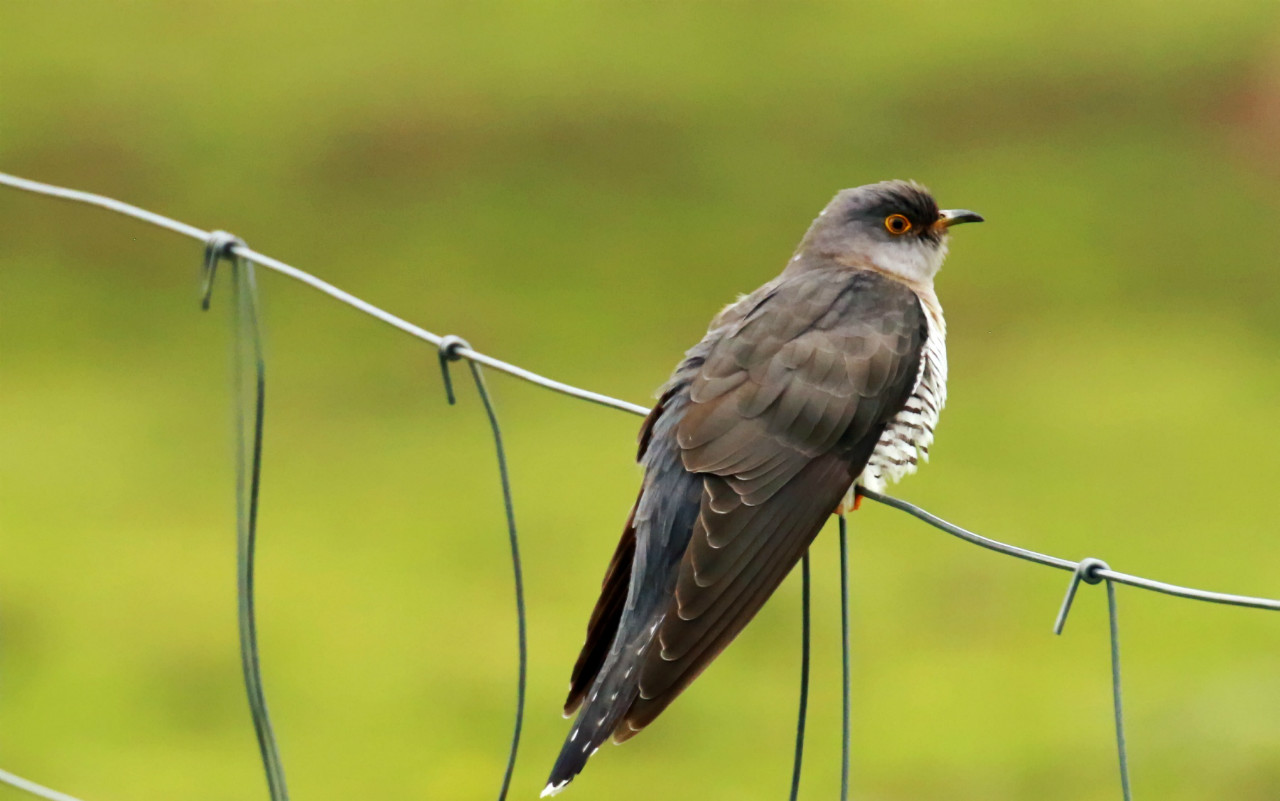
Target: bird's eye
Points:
(896, 224)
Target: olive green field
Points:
(577, 188)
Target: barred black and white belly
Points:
(907, 438)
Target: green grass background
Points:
(578, 188)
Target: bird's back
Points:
(759, 433)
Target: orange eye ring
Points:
(897, 224)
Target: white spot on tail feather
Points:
(553, 789)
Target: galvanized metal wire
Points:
(846, 657)
(1089, 571)
(245, 258)
(1066, 564)
(449, 346)
(1122, 749)
(249, 397)
(805, 595)
(310, 280)
(248, 483)
(38, 790)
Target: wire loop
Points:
(1086, 571)
(218, 246)
(448, 352)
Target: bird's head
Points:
(894, 227)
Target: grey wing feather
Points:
(786, 406)
(755, 439)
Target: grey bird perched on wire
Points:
(829, 376)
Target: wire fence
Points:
(249, 388)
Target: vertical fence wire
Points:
(845, 658)
(1121, 747)
(1093, 571)
(448, 352)
(804, 675)
(249, 400)
(250, 408)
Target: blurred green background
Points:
(578, 188)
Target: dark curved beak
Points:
(950, 217)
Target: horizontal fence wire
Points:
(1067, 564)
(1090, 570)
(38, 790)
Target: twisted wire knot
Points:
(449, 346)
(1088, 572)
(220, 245)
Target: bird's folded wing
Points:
(784, 414)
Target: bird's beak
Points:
(950, 217)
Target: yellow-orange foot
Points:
(845, 507)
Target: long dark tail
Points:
(637, 592)
(610, 697)
(606, 678)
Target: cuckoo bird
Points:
(829, 376)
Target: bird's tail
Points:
(611, 695)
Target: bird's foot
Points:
(852, 502)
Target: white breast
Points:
(907, 438)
